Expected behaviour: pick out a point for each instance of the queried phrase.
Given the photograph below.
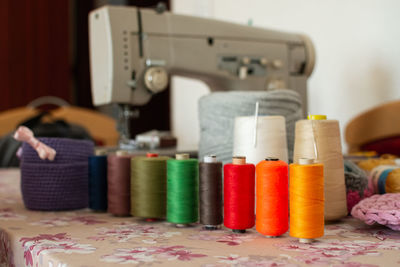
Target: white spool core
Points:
(121, 153)
(304, 161)
(306, 240)
(210, 159)
(100, 152)
(182, 156)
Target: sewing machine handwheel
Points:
(156, 79)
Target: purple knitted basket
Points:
(382, 209)
(61, 184)
(67, 150)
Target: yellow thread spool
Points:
(306, 200)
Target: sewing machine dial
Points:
(156, 79)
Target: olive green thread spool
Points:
(148, 187)
(182, 190)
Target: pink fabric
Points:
(382, 209)
(24, 134)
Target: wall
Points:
(357, 42)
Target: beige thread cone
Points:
(320, 139)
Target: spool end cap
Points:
(306, 240)
(316, 117)
(239, 160)
(210, 159)
(239, 231)
(305, 161)
(210, 227)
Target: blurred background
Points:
(44, 51)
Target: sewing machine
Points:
(133, 53)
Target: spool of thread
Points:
(386, 179)
(272, 197)
(149, 186)
(217, 113)
(306, 200)
(182, 190)
(239, 194)
(320, 140)
(210, 192)
(118, 183)
(257, 136)
(98, 182)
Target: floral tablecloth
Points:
(84, 238)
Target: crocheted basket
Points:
(381, 209)
(61, 184)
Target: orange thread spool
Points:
(306, 200)
(272, 197)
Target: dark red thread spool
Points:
(119, 183)
(239, 184)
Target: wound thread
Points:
(239, 195)
(272, 197)
(149, 186)
(119, 180)
(306, 200)
(98, 183)
(182, 190)
(210, 192)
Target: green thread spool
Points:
(149, 187)
(182, 190)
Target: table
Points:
(87, 239)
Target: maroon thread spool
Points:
(119, 183)
(239, 192)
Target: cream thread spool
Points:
(257, 136)
(320, 139)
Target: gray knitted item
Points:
(217, 112)
(356, 178)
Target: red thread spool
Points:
(239, 195)
(272, 197)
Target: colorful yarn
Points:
(182, 190)
(239, 195)
(149, 186)
(306, 200)
(356, 184)
(381, 209)
(386, 179)
(98, 183)
(272, 197)
(210, 192)
(370, 164)
(118, 184)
